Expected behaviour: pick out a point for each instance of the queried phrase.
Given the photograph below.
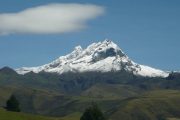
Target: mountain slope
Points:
(102, 56)
(154, 105)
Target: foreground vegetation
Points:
(7, 115)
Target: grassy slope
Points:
(6, 115)
(159, 103)
(173, 119)
(55, 104)
(5, 93)
(34, 101)
(111, 91)
(73, 116)
(155, 105)
(111, 98)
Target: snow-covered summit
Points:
(102, 56)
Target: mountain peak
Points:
(107, 41)
(103, 56)
(78, 48)
(7, 70)
(104, 45)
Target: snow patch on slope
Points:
(151, 72)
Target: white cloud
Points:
(49, 19)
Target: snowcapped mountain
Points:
(102, 56)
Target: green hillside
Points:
(45, 102)
(120, 95)
(111, 91)
(173, 119)
(6, 115)
(154, 105)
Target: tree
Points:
(92, 113)
(12, 104)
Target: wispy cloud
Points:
(49, 19)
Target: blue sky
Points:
(148, 31)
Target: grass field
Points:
(6, 115)
(73, 116)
